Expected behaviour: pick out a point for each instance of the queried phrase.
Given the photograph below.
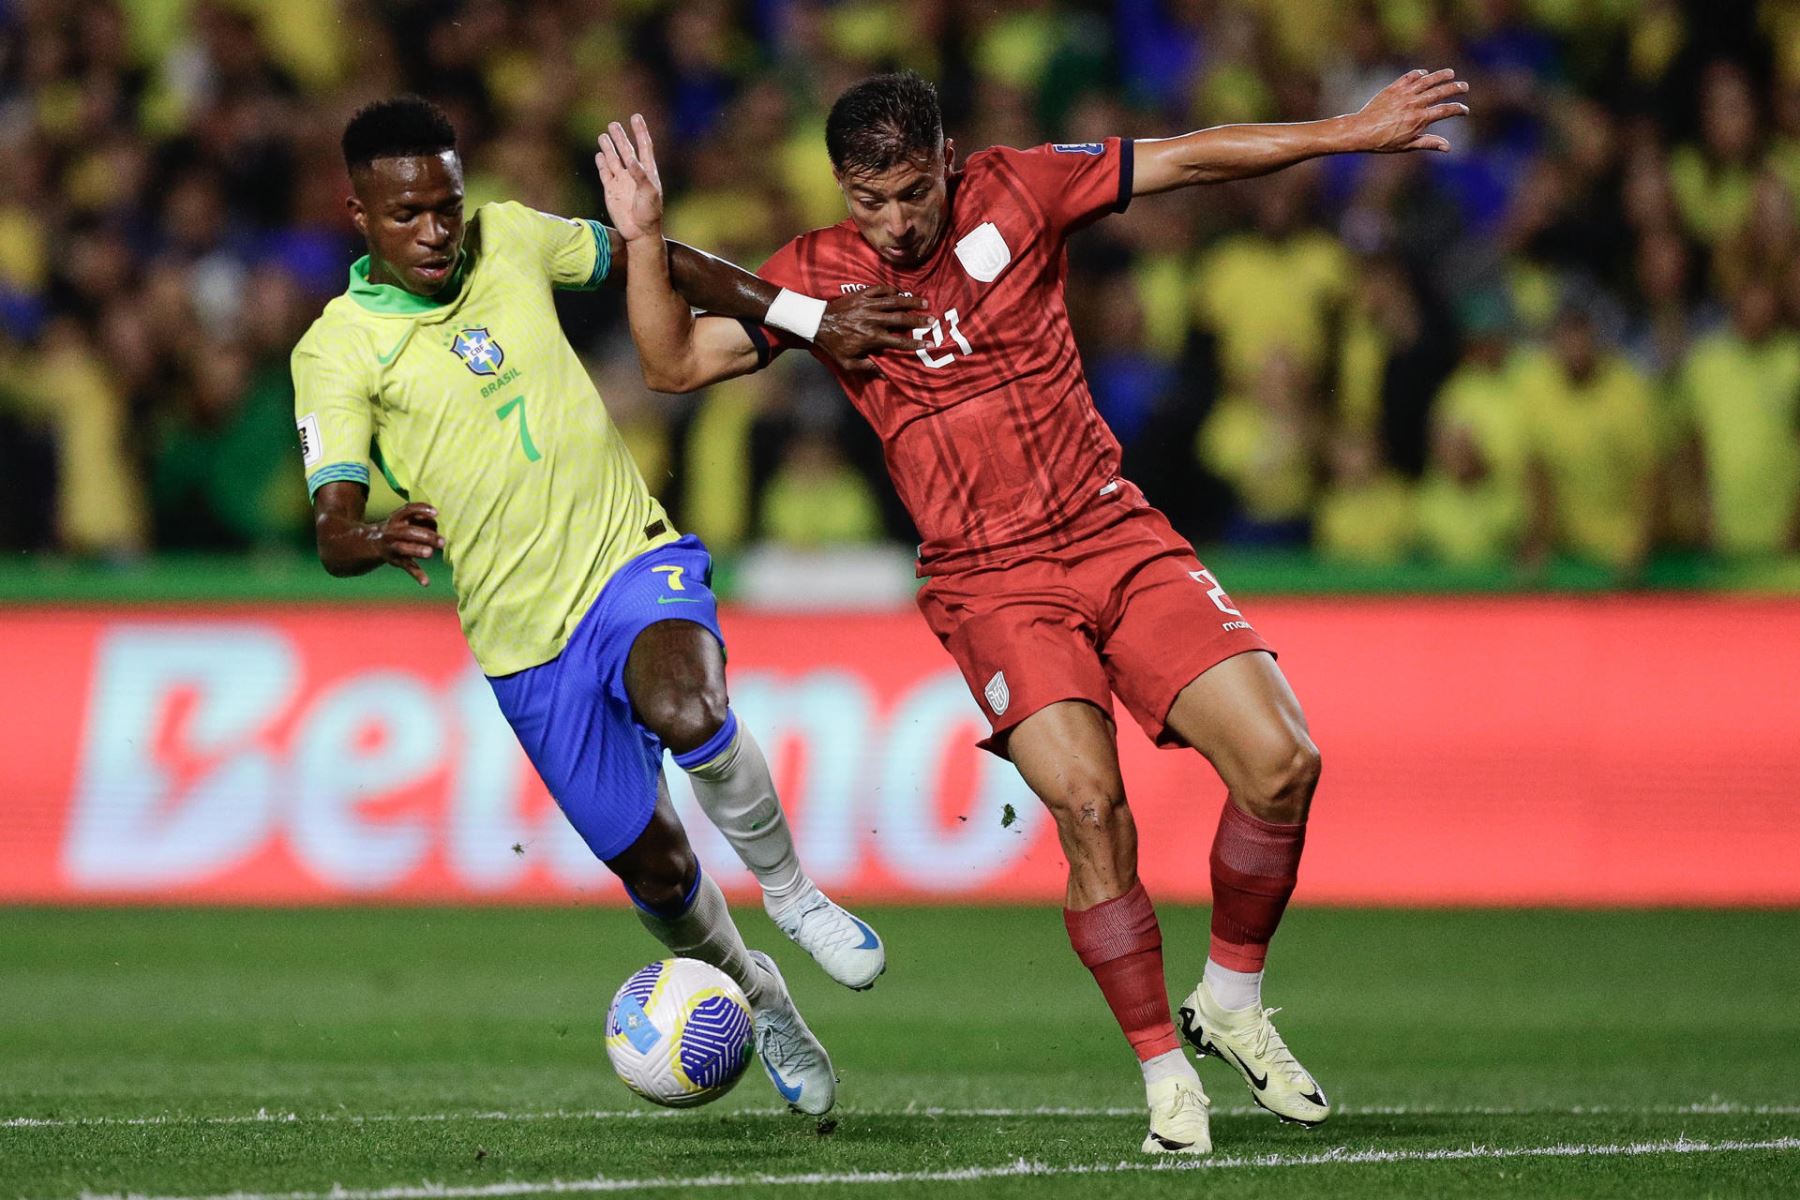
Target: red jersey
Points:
(989, 431)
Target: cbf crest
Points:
(479, 351)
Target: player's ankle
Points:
(1233, 991)
(1171, 1064)
(781, 895)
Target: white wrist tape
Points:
(799, 315)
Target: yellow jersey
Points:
(473, 401)
(1744, 403)
(1596, 441)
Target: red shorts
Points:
(1128, 610)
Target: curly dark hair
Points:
(881, 121)
(401, 127)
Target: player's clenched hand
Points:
(1399, 115)
(858, 325)
(628, 174)
(408, 535)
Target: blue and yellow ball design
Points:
(678, 1033)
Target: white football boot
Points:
(795, 1061)
(1180, 1118)
(843, 946)
(1246, 1039)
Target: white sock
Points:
(737, 794)
(705, 931)
(1234, 990)
(1170, 1064)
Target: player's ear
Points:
(359, 216)
(949, 153)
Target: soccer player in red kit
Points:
(1050, 579)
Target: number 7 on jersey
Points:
(518, 402)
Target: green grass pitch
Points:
(400, 1054)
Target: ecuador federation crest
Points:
(998, 694)
(479, 351)
(983, 252)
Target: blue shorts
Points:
(572, 714)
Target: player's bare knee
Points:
(686, 720)
(1089, 813)
(1279, 788)
(661, 883)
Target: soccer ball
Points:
(678, 1033)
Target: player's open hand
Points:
(408, 535)
(634, 195)
(858, 325)
(1401, 113)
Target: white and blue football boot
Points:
(843, 945)
(793, 1058)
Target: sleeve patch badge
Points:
(1079, 147)
(312, 449)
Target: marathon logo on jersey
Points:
(850, 289)
(479, 351)
(998, 694)
(983, 252)
(1079, 147)
(312, 448)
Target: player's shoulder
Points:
(984, 164)
(500, 214)
(341, 337)
(497, 226)
(1014, 158)
(511, 219)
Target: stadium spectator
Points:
(1365, 514)
(816, 500)
(1263, 440)
(1232, 296)
(1740, 405)
(1714, 179)
(1591, 436)
(1472, 499)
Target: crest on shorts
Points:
(983, 252)
(998, 695)
(479, 351)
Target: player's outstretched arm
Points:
(349, 545)
(1398, 118)
(851, 329)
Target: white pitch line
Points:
(1342, 1156)
(265, 1117)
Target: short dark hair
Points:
(882, 121)
(402, 127)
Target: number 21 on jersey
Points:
(932, 336)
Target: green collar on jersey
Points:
(388, 298)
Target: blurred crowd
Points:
(1576, 335)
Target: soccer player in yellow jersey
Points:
(445, 364)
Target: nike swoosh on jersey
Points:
(385, 359)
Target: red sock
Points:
(1254, 865)
(1119, 941)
